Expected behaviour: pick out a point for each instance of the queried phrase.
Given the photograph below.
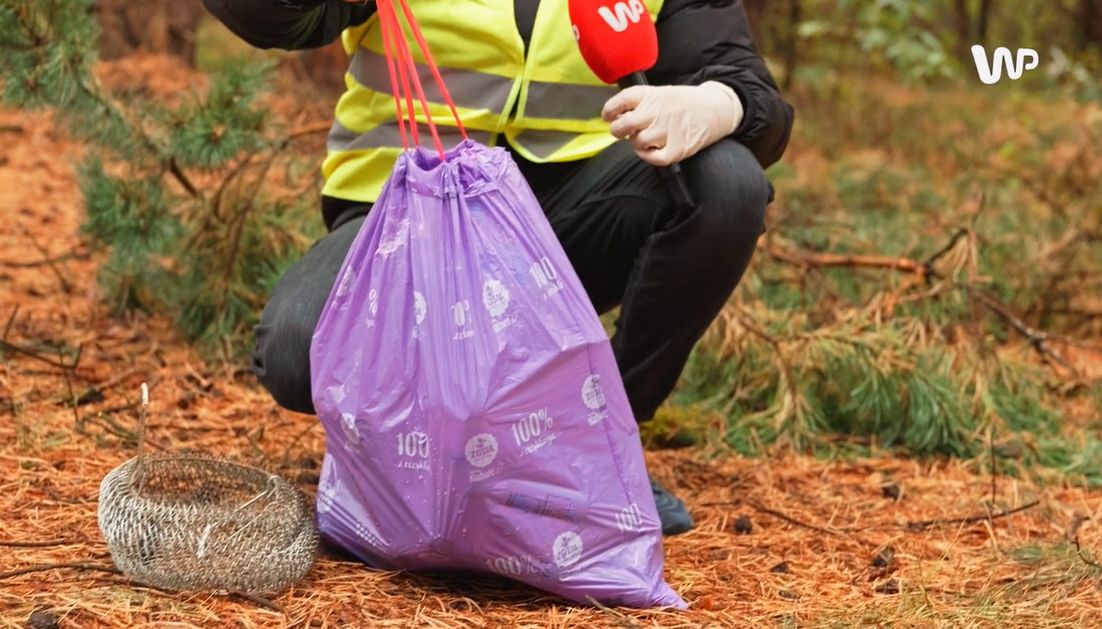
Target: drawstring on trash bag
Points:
(403, 72)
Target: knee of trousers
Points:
(731, 194)
(281, 360)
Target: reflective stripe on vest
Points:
(546, 103)
(387, 135)
(482, 91)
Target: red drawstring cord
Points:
(388, 10)
(432, 64)
(399, 57)
(394, 52)
(394, 85)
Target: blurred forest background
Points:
(931, 281)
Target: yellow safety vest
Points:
(556, 97)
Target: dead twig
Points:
(42, 544)
(1073, 535)
(791, 520)
(66, 286)
(826, 259)
(75, 565)
(295, 441)
(922, 525)
(622, 619)
(1037, 338)
(11, 347)
(11, 321)
(946, 248)
(21, 264)
(69, 386)
(261, 601)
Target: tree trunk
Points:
(792, 41)
(1092, 22)
(982, 20)
(964, 29)
(158, 26)
(755, 13)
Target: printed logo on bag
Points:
(372, 307)
(516, 566)
(413, 447)
(495, 297)
(533, 431)
(567, 549)
(395, 236)
(347, 280)
(511, 565)
(461, 313)
(420, 308)
(548, 506)
(593, 396)
(630, 519)
(481, 450)
(351, 431)
(546, 277)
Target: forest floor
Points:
(832, 543)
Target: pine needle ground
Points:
(862, 542)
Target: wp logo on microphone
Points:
(625, 13)
(990, 74)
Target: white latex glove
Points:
(669, 123)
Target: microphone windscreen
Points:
(616, 37)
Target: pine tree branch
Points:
(1037, 338)
(922, 525)
(833, 260)
(182, 178)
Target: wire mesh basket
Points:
(194, 522)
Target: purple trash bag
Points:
(474, 414)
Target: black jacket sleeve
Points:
(709, 40)
(289, 24)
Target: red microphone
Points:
(616, 37)
(619, 42)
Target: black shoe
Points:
(672, 513)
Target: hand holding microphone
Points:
(668, 124)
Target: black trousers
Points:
(670, 272)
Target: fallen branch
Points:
(791, 520)
(11, 347)
(19, 264)
(66, 287)
(76, 565)
(266, 603)
(922, 525)
(42, 544)
(825, 259)
(1037, 338)
(1073, 534)
(924, 270)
